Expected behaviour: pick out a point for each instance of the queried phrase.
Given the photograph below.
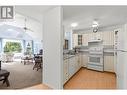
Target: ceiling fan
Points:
(25, 27)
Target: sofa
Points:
(6, 57)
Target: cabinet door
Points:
(90, 36)
(84, 60)
(65, 72)
(109, 63)
(77, 63)
(75, 40)
(108, 38)
(71, 66)
(85, 39)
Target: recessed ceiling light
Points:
(74, 24)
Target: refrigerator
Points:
(121, 53)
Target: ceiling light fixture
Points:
(95, 26)
(74, 25)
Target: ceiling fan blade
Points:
(25, 28)
(29, 29)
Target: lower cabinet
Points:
(109, 64)
(84, 60)
(77, 63)
(71, 66)
(79, 58)
(65, 71)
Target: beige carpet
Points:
(88, 79)
(21, 76)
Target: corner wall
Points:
(53, 48)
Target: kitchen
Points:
(89, 47)
(95, 46)
(100, 57)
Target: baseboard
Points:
(100, 71)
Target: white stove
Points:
(95, 59)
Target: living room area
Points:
(20, 52)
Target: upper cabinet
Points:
(107, 37)
(95, 36)
(75, 40)
(85, 39)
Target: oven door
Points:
(95, 62)
(94, 58)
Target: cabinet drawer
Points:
(94, 67)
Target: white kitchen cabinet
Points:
(109, 64)
(108, 38)
(84, 60)
(85, 39)
(65, 71)
(90, 36)
(78, 64)
(95, 36)
(71, 66)
(79, 60)
(75, 40)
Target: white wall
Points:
(53, 49)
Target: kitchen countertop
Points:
(105, 50)
(67, 56)
(109, 51)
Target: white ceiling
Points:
(84, 15)
(33, 11)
